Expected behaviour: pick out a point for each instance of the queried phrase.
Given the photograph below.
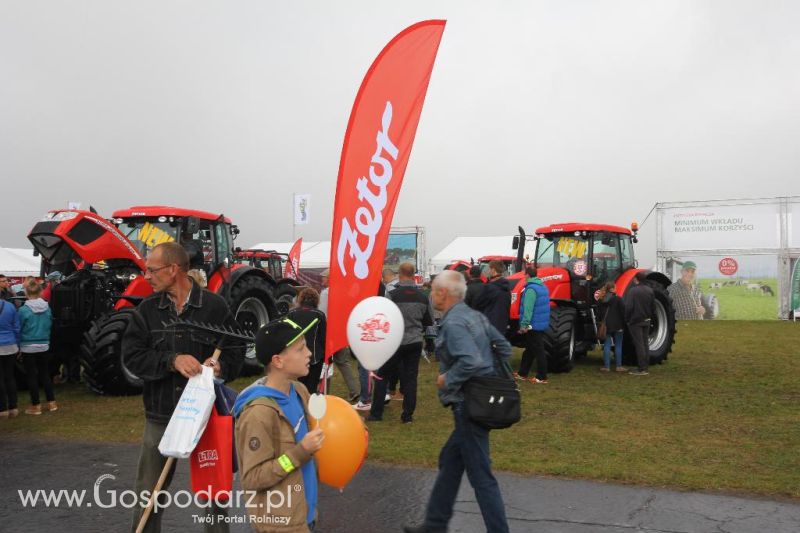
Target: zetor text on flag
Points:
(375, 154)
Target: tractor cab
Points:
(273, 262)
(574, 260)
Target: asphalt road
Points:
(380, 499)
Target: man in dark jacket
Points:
(5, 292)
(534, 319)
(639, 308)
(416, 310)
(165, 358)
(495, 298)
(474, 285)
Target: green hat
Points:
(689, 264)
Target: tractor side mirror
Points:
(191, 225)
(515, 242)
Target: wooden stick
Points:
(160, 483)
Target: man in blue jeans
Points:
(464, 347)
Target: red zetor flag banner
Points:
(292, 266)
(375, 154)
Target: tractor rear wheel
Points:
(559, 339)
(101, 356)
(252, 306)
(662, 329)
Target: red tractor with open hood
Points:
(102, 264)
(574, 260)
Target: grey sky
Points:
(537, 112)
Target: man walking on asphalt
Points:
(639, 308)
(464, 347)
(166, 358)
(415, 308)
(494, 300)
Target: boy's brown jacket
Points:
(279, 503)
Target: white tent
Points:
(18, 262)
(467, 248)
(313, 254)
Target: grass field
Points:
(723, 414)
(738, 303)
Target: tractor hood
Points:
(73, 237)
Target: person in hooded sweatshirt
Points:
(35, 320)
(494, 301)
(274, 444)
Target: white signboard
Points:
(720, 227)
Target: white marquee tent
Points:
(467, 248)
(18, 262)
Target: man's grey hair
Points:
(453, 282)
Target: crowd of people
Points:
(25, 325)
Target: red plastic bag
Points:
(211, 460)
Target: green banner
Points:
(795, 285)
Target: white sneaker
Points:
(361, 406)
(388, 398)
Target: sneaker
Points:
(520, 378)
(407, 420)
(621, 369)
(3, 414)
(398, 396)
(387, 398)
(363, 406)
(13, 413)
(537, 380)
(34, 410)
(604, 369)
(639, 373)
(52, 406)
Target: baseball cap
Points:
(273, 338)
(689, 264)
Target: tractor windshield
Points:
(145, 234)
(563, 251)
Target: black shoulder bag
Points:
(493, 401)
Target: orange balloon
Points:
(345, 446)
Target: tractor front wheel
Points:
(559, 339)
(252, 306)
(102, 367)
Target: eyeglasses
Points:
(154, 270)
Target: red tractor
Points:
(103, 264)
(274, 264)
(573, 261)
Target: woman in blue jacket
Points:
(35, 322)
(9, 347)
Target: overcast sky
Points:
(537, 112)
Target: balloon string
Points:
(372, 376)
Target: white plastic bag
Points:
(190, 416)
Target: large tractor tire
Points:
(101, 357)
(559, 339)
(284, 298)
(662, 329)
(252, 306)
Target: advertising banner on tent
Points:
(401, 248)
(377, 146)
(720, 227)
(713, 287)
